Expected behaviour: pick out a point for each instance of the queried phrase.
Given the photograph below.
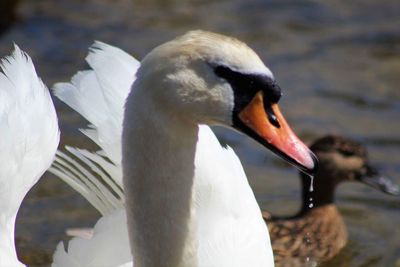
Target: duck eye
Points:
(346, 153)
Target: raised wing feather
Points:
(29, 137)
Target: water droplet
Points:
(308, 240)
(311, 189)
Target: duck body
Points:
(317, 236)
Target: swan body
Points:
(83, 252)
(29, 139)
(187, 199)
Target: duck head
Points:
(207, 78)
(344, 160)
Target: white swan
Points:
(29, 137)
(188, 199)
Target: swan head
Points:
(208, 78)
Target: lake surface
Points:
(337, 61)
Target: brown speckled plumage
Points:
(317, 234)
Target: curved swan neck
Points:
(158, 168)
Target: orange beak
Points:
(268, 126)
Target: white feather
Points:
(109, 245)
(29, 139)
(99, 94)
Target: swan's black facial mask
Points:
(246, 86)
(257, 115)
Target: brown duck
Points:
(317, 232)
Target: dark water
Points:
(337, 61)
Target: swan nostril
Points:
(273, 120)
(271, 115)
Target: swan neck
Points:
(158, 165)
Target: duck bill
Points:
(264, 122)
(380, 182)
